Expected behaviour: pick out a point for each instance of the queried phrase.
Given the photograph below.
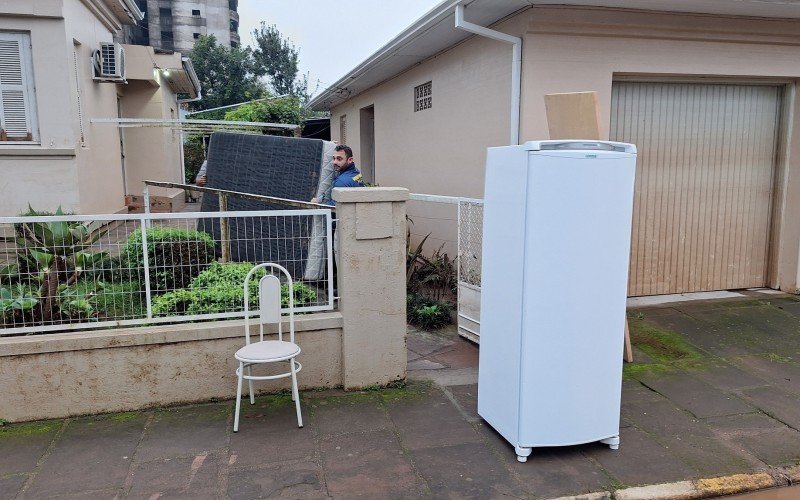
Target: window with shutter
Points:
(17, 101)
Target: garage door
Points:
(704, 183)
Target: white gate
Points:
(470, 238)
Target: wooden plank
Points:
(573, 115)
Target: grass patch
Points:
(30, 428)
(668, 350)
(777, 358)
(126, 416)
(635, 371)
(660, 344)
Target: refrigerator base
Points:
(523, 452)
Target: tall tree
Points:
(227, 75)
(276, 57)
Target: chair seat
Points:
(267, 350)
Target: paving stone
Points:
(549, 472)
(467, 398)
(782, 371)
(424, 364)
(468, 470)
(93, 454)
(11, 485)
(302, 479)
(774, 447)
(430, 420)
(446, 378)
(776, 403)
(462, 354)
(268, 434)
(695, 396)
(699, 333)
(748, 330)
(176, 432)
(187, 477)
(345, 414)
(735, 425)
(369, 465)
(775, 330)
(425, 344)
(22, 445)
(687, 439)
(104, 494)
(639, 460)
(727, 377)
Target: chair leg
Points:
(240, 372)
(296, 393)
(250, 383)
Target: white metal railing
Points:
(70, 272)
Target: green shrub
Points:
(175, 256)
(220, 288)
(427, 313)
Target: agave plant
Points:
(55, 251)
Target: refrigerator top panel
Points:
(580, 145)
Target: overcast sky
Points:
(332, 37)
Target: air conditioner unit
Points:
(109, 63)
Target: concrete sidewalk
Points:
(715, 391)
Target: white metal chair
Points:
(267, 351)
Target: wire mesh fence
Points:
(470, 239)
(68, 272)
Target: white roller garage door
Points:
(704, 183)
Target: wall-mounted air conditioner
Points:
(108, 63)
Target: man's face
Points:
(341, 160)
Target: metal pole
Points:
(146, 262)
(224, 229)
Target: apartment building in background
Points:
(175, 25)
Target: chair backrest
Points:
(269, 301)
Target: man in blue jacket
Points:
(347, 175)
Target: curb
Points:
(701, 488)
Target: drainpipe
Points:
(516, 64)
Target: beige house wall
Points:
(571, 49)
(83, 172)
(32, 172)
(151, 153)
(99, 160)
(440, 150)
(566, 49)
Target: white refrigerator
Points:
(556, 245)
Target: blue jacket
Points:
(349, 177)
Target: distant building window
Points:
(195, 12)
(234, 44)
(232, 4)
(234, 25)
(343, 129)
(17, 95)
(422, 96)
(196, 35)
(167, 40)
(165, 12)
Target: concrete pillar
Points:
(371, 230)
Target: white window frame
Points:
(29, 88)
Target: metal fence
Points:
(69, 272)
(470, 240)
